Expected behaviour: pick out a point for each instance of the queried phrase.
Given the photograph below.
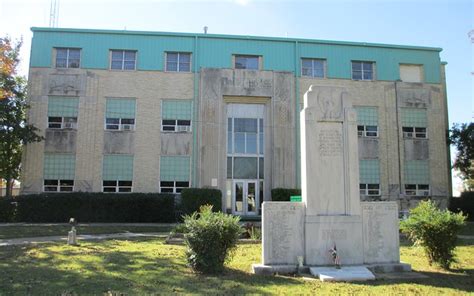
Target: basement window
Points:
(58, 185)
(117, 186)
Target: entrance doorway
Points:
(245, 199)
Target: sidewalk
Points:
(90, 224)
(85, 237)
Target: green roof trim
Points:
(215, 51)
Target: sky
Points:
(436, 23)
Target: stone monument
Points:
(330, 214)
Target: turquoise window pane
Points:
(176, 109)
(59, 166)
(369, 171)
(117, 167)
(417, 172)
(414, 117)
(120, 108)
(63, 106)
(174, 168)
(367, 116)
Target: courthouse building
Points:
(130, 111)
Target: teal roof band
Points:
(215, 51)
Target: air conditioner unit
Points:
(69, 125)
(127, 127)
(184, 128)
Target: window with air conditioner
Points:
(367, 131)
(176, 125)
(410, 132)
(417, 189)
(120, 124)
(369, 189)
(57, 122)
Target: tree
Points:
(15, 132)
(462, 137)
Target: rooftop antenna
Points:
(205, 29)
(54, 14)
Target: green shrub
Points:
(284, 194)
(91, 207)
(435, 230)
(464, 203)
(193, 198)
(210, 238)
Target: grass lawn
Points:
(7, 232)
(150, 266)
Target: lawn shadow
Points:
(96, 269)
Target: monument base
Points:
(383, 268)
(343, 274)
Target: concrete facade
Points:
(212, 90)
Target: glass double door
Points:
(245, 199)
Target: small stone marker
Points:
(72, 235)
(344, 274)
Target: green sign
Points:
(295, 198)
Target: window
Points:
(58, 185)
(62, 112)
(173, 186)
(246, 62)
(178, 62)
(62, 122)
(117, 186)
(117, 173)
(369, 189)
(313, 68)
(120, 115)
(414, 122)
(174, 173)
(414, 132)
(123, 60)
(176, 115)
(120, 124)
(362, 70)
(417, 189)
(411, 73)
(68, 57)
(172, 125)
(59, 172)
(367, 131)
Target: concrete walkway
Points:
(85, 237)
(91, 224)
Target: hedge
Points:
(284, 194)
(89, 207)
(193, 198)
(464, 203)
